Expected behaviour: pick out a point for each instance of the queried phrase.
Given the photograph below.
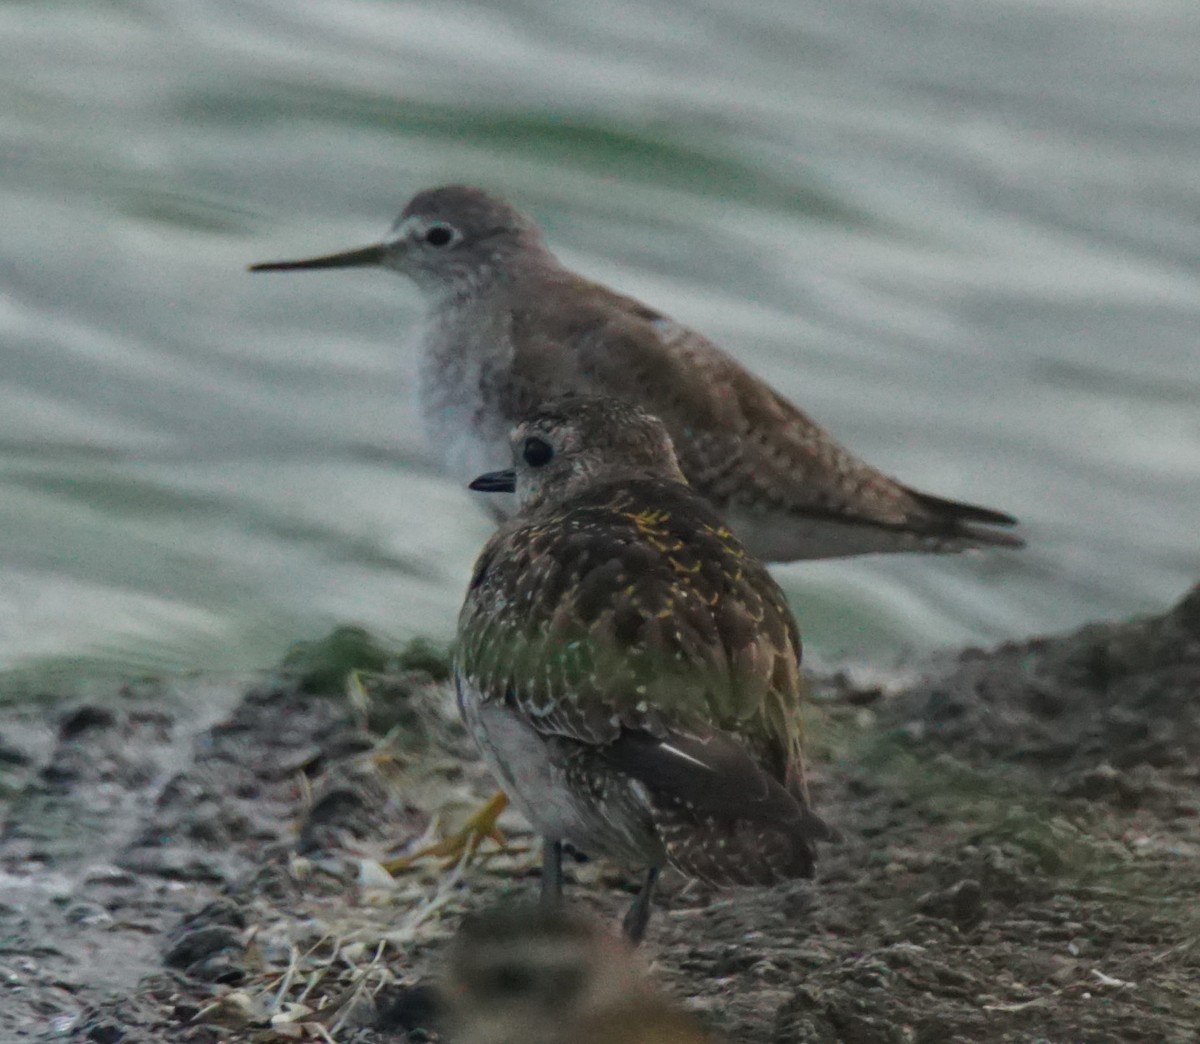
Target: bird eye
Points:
(537, 452)
(439, 235)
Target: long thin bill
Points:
(362, 257)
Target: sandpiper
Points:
(510, 327)
(630, 673)
(529, 975)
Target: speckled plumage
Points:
(629, 670)
(510, 327)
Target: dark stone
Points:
(83, 719)
(12, 756)
(961, 903)
(173, 863)
(197, 945)
(406, 1009)
(339, 809)
(222, 970)
(220, 911)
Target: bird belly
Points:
(523, 762)
(555, 785)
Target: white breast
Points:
(466, 430)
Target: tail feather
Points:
(735, 852)
(722, 817)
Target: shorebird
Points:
(528, 975)
(630, 673)
(509, 327)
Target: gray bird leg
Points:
(552, 875)
(639, 913)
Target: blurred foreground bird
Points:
(630, 673)
(529, 975)
(509, 327)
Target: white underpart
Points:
(466, 434)
(523, 764)
(519, 760)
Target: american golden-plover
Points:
(532, 975)
(630, 672)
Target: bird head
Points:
(574, 442)
(447, 240)
(523, 973)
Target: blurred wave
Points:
(962, 237)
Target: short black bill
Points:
(496, 482)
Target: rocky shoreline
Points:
(194, 860)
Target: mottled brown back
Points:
(632, 614)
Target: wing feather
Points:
(611, 634)
(743, 447)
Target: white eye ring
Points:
(439, 234)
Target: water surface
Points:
(963, 236)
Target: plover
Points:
(529, 975)
(630, 672)
(509, 326)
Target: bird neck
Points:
(507, 269)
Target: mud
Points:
(195, 861)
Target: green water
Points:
(963, 236)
